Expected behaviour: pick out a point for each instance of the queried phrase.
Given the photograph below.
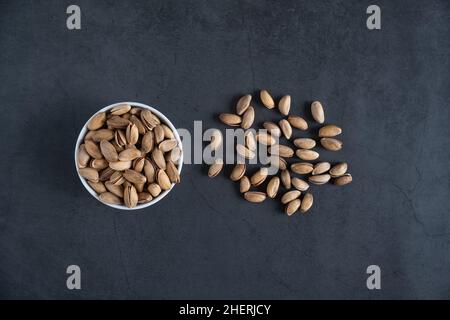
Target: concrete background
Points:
(388, 89)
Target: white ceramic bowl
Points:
(163, 120)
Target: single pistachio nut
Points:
(317, 112)
(243, 104)
(284, 105)
(292, 207)
(255, 196)
(120, 138)
(120, 109)
(98, 187)
(129, 154)
(138, 164)
(285, 128)
(132, 134)
(154, 189)
(319, 179)
(306, 154)
(320, 168)
(159, 133)
(134, 177)
(108, 151)
(338, 170)
(109, 198)
(299, 184)
(331, 144)
(215, 168)
(148, 141)
(272, 128)
(97, 121)
(83, 157)
(102, 134)
(158, 158)
(149, 171)
(238, 172)
(290, 196)
(230, 119)
(302, 168)
(281, 150)
(244, 184)
(307, 202)
(168, 133)
(248, 118)
(93, 149)
(117, 122)
(130, 196)
(304, 143)
(167, 145)
(267, 99)
(329, 130)
(272, 187)
(89, 174)
(163, 180)
(172, 172)
(343, 180)
(259, 177)
(298, 122)
(250, 141)
(286, 179)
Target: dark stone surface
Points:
(388, 89)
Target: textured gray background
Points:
(388, 89)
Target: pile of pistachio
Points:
(294, 177)
(128, 156)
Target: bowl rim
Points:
(163, 119)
